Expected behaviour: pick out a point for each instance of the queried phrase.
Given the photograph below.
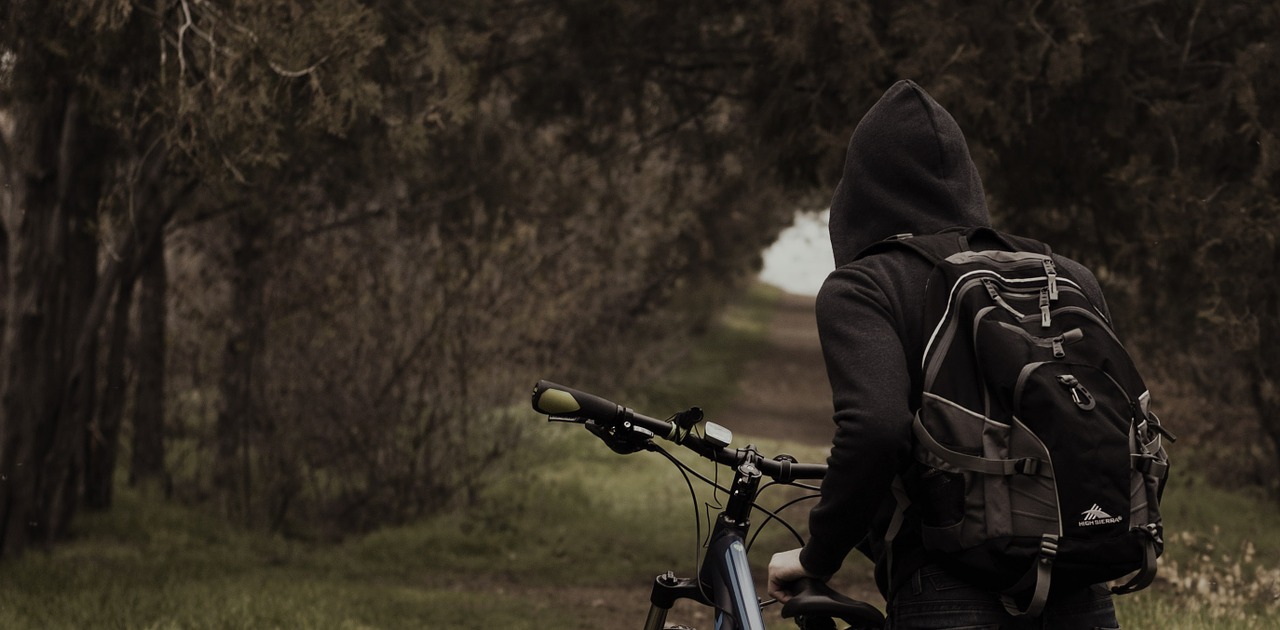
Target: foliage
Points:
(384, 218)
(415, 267)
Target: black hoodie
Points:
(907, 170)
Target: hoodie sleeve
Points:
(870, 383)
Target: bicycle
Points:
(724, 582)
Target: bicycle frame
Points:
(725, 582)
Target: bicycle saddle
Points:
(816, 599)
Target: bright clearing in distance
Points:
(801, 258)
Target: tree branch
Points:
(294, 74)
(302, 235)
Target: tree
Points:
(55, 298)
(147, 465)
(88, 99)
(385, 216)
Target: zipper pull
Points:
(1156, 426)
(1058, 351)
(1045, 320)
(991, 289)
(1051, 273)
(995, 297)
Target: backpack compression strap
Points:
(1147, 574)
(1040, 575)
(1005, 467)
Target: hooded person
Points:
(907, 171)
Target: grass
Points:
(572, 540)
(1221, 567)
(150, 565)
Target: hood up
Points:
(907, 170)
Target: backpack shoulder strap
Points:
(1018, 243)
(941, 245)
(933, 247)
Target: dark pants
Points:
(933, 600)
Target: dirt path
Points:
(783, 393)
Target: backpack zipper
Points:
(1095, 318)
(1056, 343)
(962, 286)
(1027, 369)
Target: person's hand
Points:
(785, 568)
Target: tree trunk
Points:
(46, 380)
(1264, 376)
(147, 466)
(146, 235)
(1265, 368)
(1266, 400)
(6, 202)
(29, 365)
(237, 414)
(60, 485)
(104, 435)
(63, 474)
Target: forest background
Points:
(296, 261)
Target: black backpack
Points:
(1038, 458)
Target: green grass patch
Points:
(151, 565)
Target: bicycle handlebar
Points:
(552, 399)
(557, 400)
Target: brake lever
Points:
(623, 438)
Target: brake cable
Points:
(773, 516)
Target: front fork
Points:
(725, 582)
(667, 588)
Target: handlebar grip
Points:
(793, 472)
(557, 400)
